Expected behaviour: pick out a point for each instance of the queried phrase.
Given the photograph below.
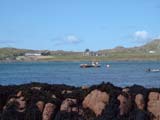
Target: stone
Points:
(66, 92)
(96, 101)
(22, 98)
(153, 96)
(74, 109)
(126, 90)
(70, 105)
(153, 105)
(54, 96)
(125, 104)
(35, 88)
(48, 111)
(10, 101)
(19, 94)
(67, 104)
(139, 100)
(21, 104)
(84, 87)
(40, 105)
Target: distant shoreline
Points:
(149, 52)
(76, 60)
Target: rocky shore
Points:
(37, 101)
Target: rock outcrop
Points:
(17, 101)
(96, 101)
(139, 100)
(48, 112)
(68, 105)
(40, 105)
(154, 105)
(125, 104)
(62, 102)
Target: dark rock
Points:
(33, 113)
(48, 111)
(40, 105)
(125, 104)
(69, 105)
(139, 100)
(26, 102)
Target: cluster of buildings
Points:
(32, 54)
(85, 53)
(44, 53)
(92, 53)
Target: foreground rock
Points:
(125, 104)
(17, 101)
(48, 111)
(139, 100)
(68, 105)
(40, 105)
(154, 105)
(96, 101)
(38, 101)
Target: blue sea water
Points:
(122, 74)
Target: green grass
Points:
(135, 53)
(114, 57)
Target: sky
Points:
(75, 25)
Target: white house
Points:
(152, 51)
(32, 54)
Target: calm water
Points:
(119, 73)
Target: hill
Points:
(152, 46)
(144, 49)
(11, 53)
(149, 51)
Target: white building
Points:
(152, 51)
(32, 54)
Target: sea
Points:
(120, 73)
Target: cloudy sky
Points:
(78, 24)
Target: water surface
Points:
(119, 73)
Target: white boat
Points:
(93, 64)
(153, 70)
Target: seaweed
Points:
(56, 94)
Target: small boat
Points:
(88, 65)
(153, 70)
(94, 64)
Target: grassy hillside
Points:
(118, 53)
(10, 53)
(154, 45)
(142, 50)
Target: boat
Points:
(94, 64)
(88, 65)
(153, 70)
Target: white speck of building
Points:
(32, 54)
(152, 51)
